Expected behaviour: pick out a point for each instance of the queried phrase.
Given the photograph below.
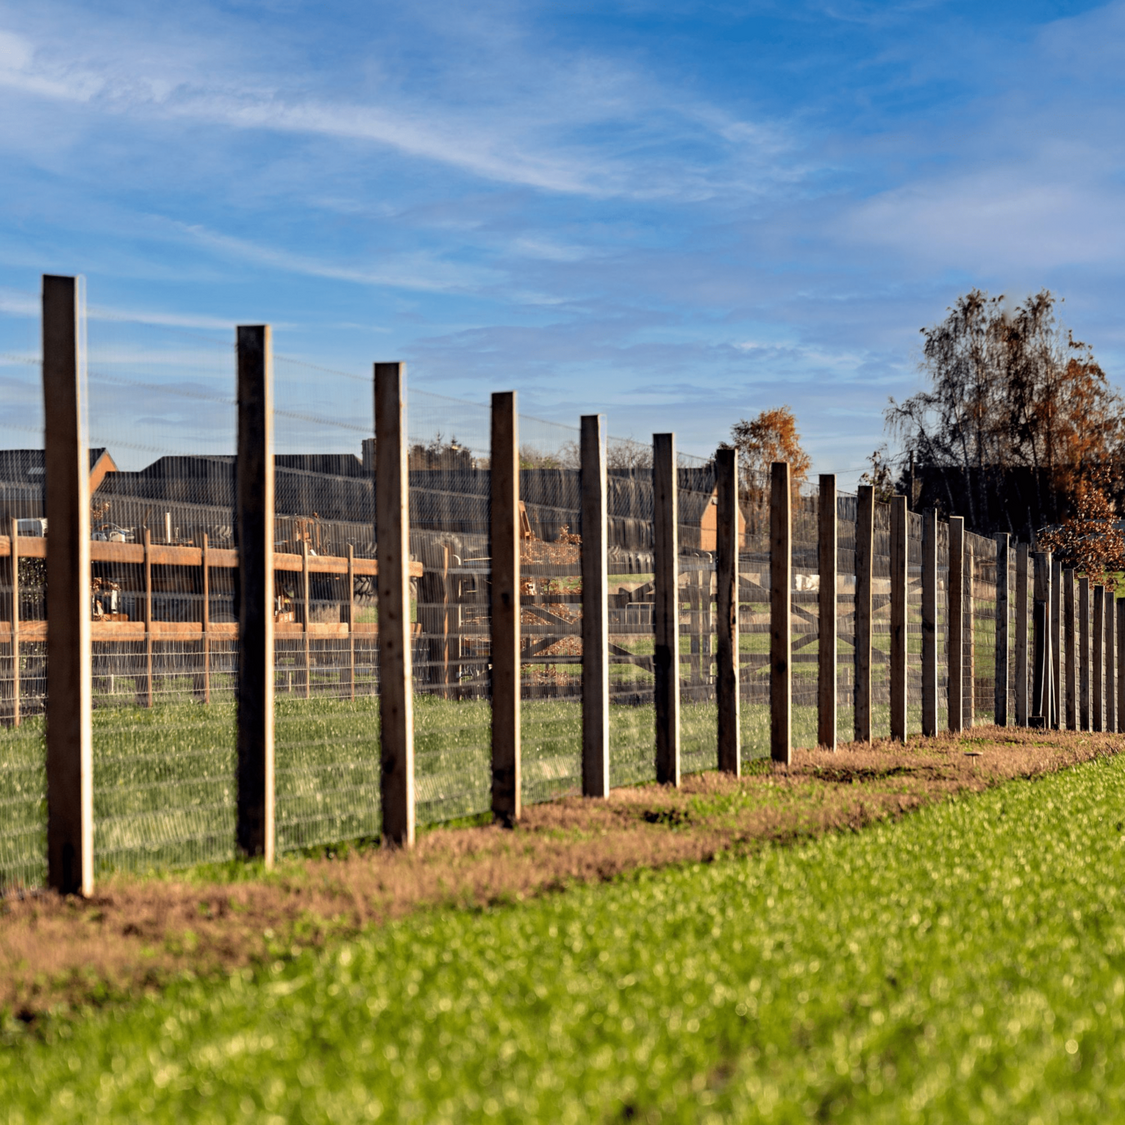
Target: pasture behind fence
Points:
(850, 618)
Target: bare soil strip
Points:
(138, 933)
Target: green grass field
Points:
(964, 964)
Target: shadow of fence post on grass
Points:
(410, 609)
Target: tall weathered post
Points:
(956, 651)
(504, 536)
(666, 610)
(254, 523)
(929, 624)
(899, 578)
(1084, 653)
(828, 620)
(1070, 647)
(781, 625)
(1022, 630)
(864, 558)
(726, 572)
(70, 785)
(396, 679)
(595, 610)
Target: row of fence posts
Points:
(1086, 684)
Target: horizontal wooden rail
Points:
(164, 555)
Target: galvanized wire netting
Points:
(632, 728)
(697, 530)
(983, 624)
(754, 627)
(163, 635)
(913, 622)
(805, 618)
(326, 711)
(881, 624)
(23, 626)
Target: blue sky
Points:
(678, 214)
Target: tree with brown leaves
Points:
(1012, 399)
(771, 436)
(1089, 539)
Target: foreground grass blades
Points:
(963, 964)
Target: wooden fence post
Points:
(1110, 661)
(969, 593)
(1097, 660)
(145, 694)
(392, 542)
(254, 523)
(306, 614)
(350, 620)
(1056, 644)
(864, 555)
(70, 788)
(595, 610)
(726, 572)
(1071, 651)
(781, 623)
(1021, 685)
(828, 625)
(1119, 613)
(505, 602)
(956, 646)
(1084, 653)
(205, 619)
(1041, 696)
(929, 624)
(666, 608)
(14, 560)
(899, 579)
(1003, 611)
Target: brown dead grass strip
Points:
(140, 933)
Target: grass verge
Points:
(142, 933)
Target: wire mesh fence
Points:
(163, 593)
(847, 512)
(163, 632)
(23, 631)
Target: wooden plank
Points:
(864, 556)
(392, 537)
(726, 646)
(14, 630)
(595, 609)
(827, 621)
(70, 788)
(1070, 650)
(505, 601)
(1022, 624)
(666, 608)
(254, 523)
(1003, 633)
(781, 624)
(929, 624)
(956, 645)
(1083, 653)
(1110, 617)
(899, 565)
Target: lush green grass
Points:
(164, 778)
(966, 964)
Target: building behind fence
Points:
(455, 609)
